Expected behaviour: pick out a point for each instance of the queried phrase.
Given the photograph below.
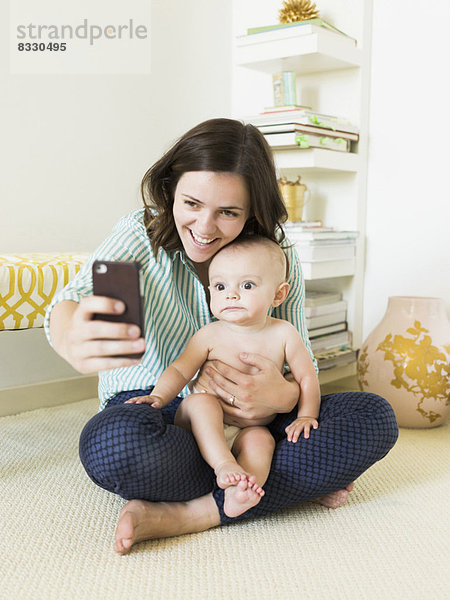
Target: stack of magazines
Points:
(326, 319)
(305, 128)
(323, 251)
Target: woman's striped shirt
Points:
(175, 304)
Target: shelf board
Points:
(316, 158)
(337, 373)
(290, 50)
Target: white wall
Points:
(408, 211)
(75, 147)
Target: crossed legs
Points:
(173, 482)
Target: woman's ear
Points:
(281, 294)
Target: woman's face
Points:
(210, 210)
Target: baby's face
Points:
(243, 283)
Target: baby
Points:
(246, 278)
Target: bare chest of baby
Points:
(227, 348)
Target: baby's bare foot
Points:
(241, 497)
(335, 499)
(229, 473)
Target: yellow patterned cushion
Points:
(28, 283)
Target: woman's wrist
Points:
(60, 322)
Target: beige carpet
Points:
(390, 541)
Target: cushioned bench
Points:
(32, 375)
(28, 283)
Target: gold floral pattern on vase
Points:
(406, 360)
(363, 367)
(419, 367)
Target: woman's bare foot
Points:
(230, 473)
(336, 499)
(140, 520)
(241, 497)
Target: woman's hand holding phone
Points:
(103, 331)
(93, 345)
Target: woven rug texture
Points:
(391, 539)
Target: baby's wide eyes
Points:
(219, 287)
(248, 285)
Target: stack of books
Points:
(323, 251)
(287, 129)
(336, 358)
(308, 27)
(326, 319)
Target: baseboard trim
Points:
(50, 393)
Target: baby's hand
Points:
(154, 401)
(300, 424)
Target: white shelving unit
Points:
(333, 77)
(290, 50)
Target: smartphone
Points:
(121, 281)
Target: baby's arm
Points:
(304, 373)
(179, 373)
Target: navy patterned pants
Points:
(135, 451)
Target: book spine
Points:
(315, 311)
(331, 341)
(300, 127)
(284, 92)
(315, 299)
(302, 26)
(327, 269)
(288, 108)
(324, 320)
(277, 86)
(290, 94)
(307, 140)
(313, 253)
(304, 117)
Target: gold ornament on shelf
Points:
(293, 194)
(297, 10)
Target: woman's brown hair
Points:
(221, 146)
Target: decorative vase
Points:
(293, 194)
(406, 360)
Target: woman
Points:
(216, 182)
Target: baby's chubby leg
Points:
(253, 448)
(203, 415)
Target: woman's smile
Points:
(202, 241)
